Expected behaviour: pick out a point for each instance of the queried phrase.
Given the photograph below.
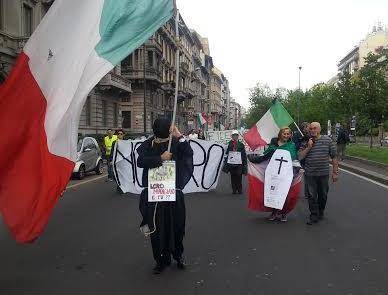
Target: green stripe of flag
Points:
(280, 115)
(127, 24)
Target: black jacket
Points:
(182, 154)
(240, 148)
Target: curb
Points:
(368, 162)
(366, 173)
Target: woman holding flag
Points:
(283, 141)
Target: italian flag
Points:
(75, 45)
(268, 127)
(201, 119)
(256, 173)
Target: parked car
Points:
(89, 157)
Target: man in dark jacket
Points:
(165, 220)
(342, 140)
(236, 162)
(299, 139)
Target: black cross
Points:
(50, 55)
(281, 160)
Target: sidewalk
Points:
(369, 169)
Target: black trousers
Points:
(317, 189)
(170, 219)
(236, 178)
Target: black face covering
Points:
(161, 128)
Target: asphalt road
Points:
(93, 246)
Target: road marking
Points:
(86, 181)
(365, 178)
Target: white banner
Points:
(221, 137)
(208, 159)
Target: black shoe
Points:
(158, 269)
(311, 221)
(234, 192)
(167, 262)
(180, 263)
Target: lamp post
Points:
(300, 69)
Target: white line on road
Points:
(354, 174)
(86, 181)
(365, 178)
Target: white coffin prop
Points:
(278, 179)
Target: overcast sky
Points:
(265, 41)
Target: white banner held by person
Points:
(221, 137)
(208, 158)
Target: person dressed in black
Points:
(298, 139)
(342, 140)
(236, 168)
(165, 220)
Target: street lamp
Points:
(300, 69)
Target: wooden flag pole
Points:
(177, 71)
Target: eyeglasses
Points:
(120, 133)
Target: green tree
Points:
(372, 87)
(260, 99)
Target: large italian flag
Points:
(268, 126)
(256, 178)
(76, 44)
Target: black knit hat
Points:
(161, 127)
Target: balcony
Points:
(12, 45)
(184, 67)
(135, 74)
(197, 58)
(168, 33)
(114, 81)
(154, 43)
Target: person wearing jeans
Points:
(316, 153)
(108, 143)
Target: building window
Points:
(150, 59)
(126, 98)
(128, 61)
(127, 119)
(137, 56)
(104, 114)
(27, 20)
(88, 112)
(115, 115)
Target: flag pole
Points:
(177, 70)
(298, 129)
(296, 125)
